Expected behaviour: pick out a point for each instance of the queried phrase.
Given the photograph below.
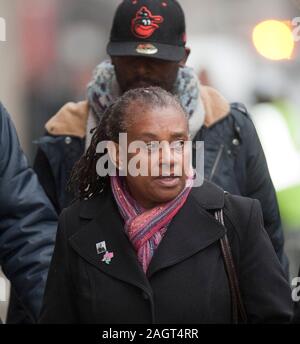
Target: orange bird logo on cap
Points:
(145, 23)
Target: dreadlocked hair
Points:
(84, 182)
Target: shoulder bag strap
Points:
(238, 309)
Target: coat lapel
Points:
(106, 225)
(192, 230)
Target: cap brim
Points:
(159, 51)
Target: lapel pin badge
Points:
(101, 247)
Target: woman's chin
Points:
(164, 194)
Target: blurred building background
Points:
(52, 47)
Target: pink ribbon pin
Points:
(107, 257)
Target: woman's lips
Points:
(167, 181)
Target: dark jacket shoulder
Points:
(81, 211)
(237, 209)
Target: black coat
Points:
(234, 160)
(186, 281)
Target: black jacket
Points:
(234, 160)
(28, 221)
(186, 281)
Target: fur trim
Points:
(216, 106)
(70, 120)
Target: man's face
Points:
(135, 71)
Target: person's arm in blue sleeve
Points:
(28, 222)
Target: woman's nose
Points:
(166, 155)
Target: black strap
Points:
(238, 309)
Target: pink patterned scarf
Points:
(145, 227)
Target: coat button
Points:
(235, 142)
(68, 140)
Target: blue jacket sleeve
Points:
(28, 221)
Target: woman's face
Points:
(165, 165)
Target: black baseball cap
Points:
(152, 28)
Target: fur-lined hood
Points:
(72, 118)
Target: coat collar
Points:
(192, 230)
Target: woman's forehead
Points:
(158, 123)
(154, 120)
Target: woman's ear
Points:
(114, 154)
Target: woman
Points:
(144, 248)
